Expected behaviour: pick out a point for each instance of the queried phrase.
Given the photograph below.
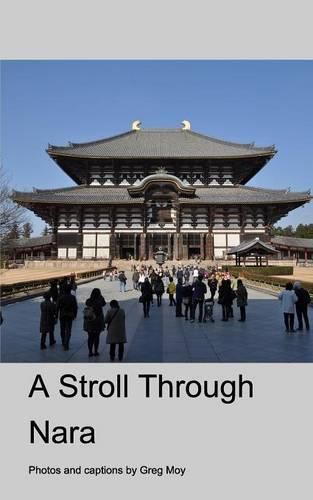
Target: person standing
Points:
(288, 299)
(242, 299)
(171, 289)
(54, 292)
(302, 303)
(135, 279)
(159, 290)
(187, 300)
(94, 320)
(213, 286)
(67, 312)
(179, 297)
(48, 318)
(115, 321)
(146, 297)
(198, 295)
(122, 279)
(225, 298)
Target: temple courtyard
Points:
(162, 337)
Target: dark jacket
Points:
(199, 290)
(179, 292)
(242, 296)
(303, 299)
(96, 325)
(159, 287)
(48, 316)
(146, 291)
(226, 295)
(67, 306)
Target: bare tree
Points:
(11, 214)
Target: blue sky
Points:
(268, 102)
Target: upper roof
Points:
(160, 143)
(289, 241)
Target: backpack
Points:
(89, 314)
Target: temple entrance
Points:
(160, 241)
(129, 246)
(193, 244)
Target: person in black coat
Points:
(199, 290)
(94, 320)
(67, 312)
(212, 286)
(179, 297)
(304, 300)
(54, 292)
(187, 299)
(48, 318)
(225, 298)
(159, 290)
(146, 297)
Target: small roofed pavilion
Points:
(252, 248)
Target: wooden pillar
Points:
(202, 253)
(79, 254)
(169, 245)
(143, 246)
(135, 246)
(305, 255)
(150, 245)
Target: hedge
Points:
(260, 271)
(273, 280)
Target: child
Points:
(208, 310)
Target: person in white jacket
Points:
(288, 299)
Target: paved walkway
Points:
(162, 337)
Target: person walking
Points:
(179, 297)
(67, 312)
(122, 279)
(302, 303)
(171, 289)
(146, 297)
(54, 292)
(159, 290)
(242, 299)
(94, 320)
(225, 298)
(48, 318)
(115, 321)
(198, 295)
(288, 299)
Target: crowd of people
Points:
(191, 291)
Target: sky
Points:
(266, 102)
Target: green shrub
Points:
(272, 280)
(263, 271)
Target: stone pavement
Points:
(162, 337)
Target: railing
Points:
(27, 286)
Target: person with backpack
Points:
(304, 300)
(67, 312)
(122, 279)
(115, 321)
(94, 320)
(48, 318)
(242, 299)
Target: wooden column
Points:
(202, 246)
(143, 246)
(169, 245)
(209, 248)
(135, 246)
(80, 235)
(54, 234)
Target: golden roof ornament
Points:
(186, 125)
(136, 125)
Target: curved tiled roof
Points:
(250, 245)
(111, 194)
(37, 241)
(160, 143)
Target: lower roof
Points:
(289, 241)
(101, 195)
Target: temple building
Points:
(145, 189)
